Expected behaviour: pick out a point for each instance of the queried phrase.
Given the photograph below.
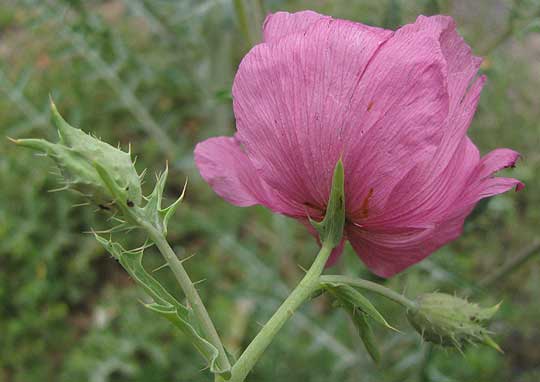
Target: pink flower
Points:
(395, 105)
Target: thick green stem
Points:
(372, 287)
(190, 291)
(306, 287)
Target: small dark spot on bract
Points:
(129, 203)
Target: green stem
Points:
(249, 15)
(511, 265)
(306, 287)
(243, 20)
(190, 291)
(372, 287)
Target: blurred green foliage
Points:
(157, 74)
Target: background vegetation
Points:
(157, 73)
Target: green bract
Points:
(451, 321)
(77, 154)
(360, 309)
(165, 305)
(330, 229)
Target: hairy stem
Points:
(306, 287)
(372, 287)
(192, 296)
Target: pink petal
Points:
(404, 122)
(306, 100)
(483, 184)
(495, 161)
(391, 251)
(435, 178)
(461, 63)
(427, 192)
(281, 24)
(226, 168)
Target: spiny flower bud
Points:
(451, 321)
(77, 155)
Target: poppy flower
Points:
(394, 105)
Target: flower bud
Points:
(451, 321)
(77, 155)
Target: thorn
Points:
(187, 258)
(80, 205)
(113, 216)
(51, 101)
(161, 267)
(185, 188)
(143, 172)
(96, 232)
(205, 368)
(405, 289)
(302, 268)
(199, 282)
(59, 189)
(143, 247)
(117, 220)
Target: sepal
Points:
(359, 309)
(153, 210)
(349, 296)
(330, 229)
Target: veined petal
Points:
(495, 161)
(281, 24)
(428, 190)
(296, 104)
(406, 104)
(226, 168)
(395, 107)
(483, 183)
(462, 64)
(391, 251)
(435, 180)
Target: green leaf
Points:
(350, 297)
(164, 303)
(330, 229)
(359, 309)
(359, 319)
